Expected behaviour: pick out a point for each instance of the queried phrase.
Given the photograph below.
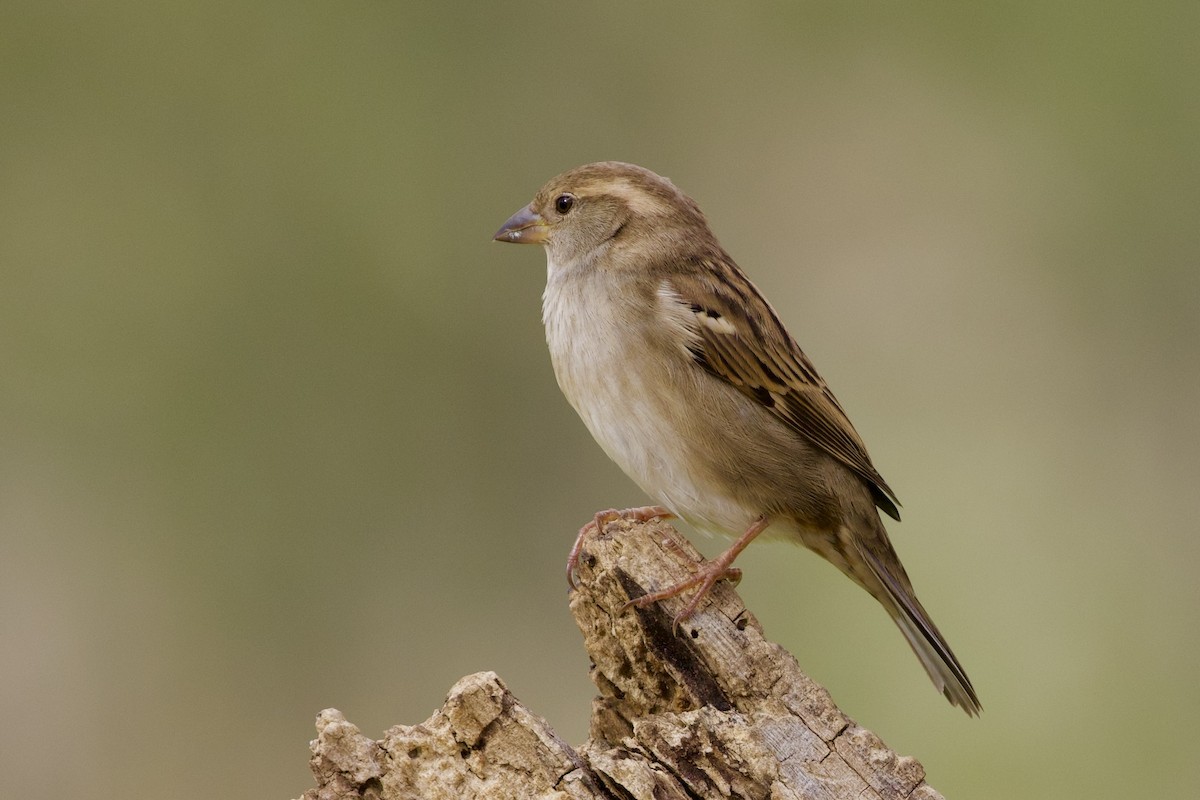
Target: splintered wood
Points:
(708, 710)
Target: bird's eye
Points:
(564, 203)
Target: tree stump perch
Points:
(711, 710)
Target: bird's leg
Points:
(602, 518)
(707, 576)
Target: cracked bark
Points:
(712, 710)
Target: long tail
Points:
(923, 636)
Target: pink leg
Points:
(602, 518)
(707, 576)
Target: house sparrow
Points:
(686, 377)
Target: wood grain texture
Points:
(711, 710)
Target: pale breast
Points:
(631, 390)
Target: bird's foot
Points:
(702, 581)
(602, 518)
(706, 577)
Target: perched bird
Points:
(686, 377)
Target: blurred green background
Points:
(278, 430)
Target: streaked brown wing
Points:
(741, 341)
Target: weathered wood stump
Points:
(711, 710)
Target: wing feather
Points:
(740, 340)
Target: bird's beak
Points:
(524, 227)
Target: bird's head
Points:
(598, 207)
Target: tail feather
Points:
(925, 639)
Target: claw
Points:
(602, 518)
(706, 577)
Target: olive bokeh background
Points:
(278, 430)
